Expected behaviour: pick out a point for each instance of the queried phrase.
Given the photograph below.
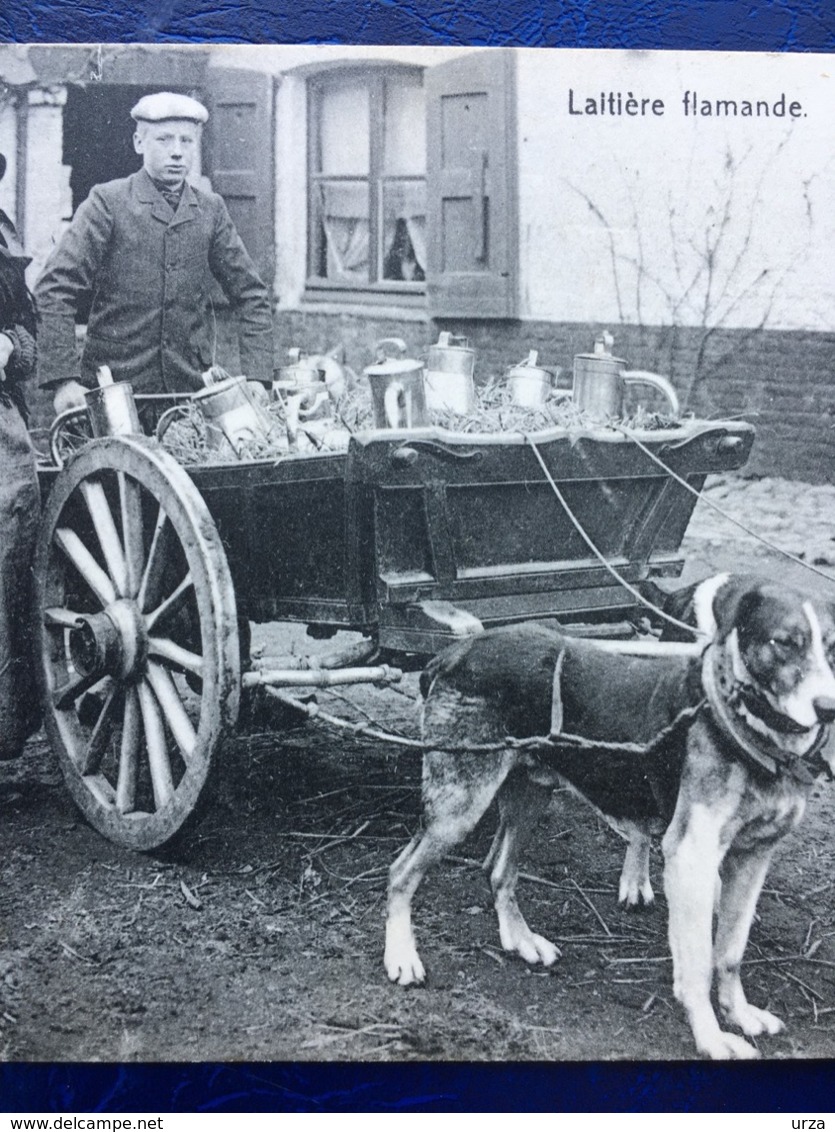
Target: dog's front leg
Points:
(693, 853)
(743, 876)
(635, 886)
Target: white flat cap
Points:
(164, 105)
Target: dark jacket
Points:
(17, 315)
(149, 271)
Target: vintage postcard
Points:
(347, 356)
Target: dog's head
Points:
(783, 643)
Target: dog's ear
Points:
(444, 664)
(734, 603)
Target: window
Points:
(367, 182)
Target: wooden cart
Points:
(148, 574)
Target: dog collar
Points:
(725, 695)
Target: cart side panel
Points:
(283, 527)
(475, 522)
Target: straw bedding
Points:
(189, 440)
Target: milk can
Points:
(529, 383)
(301, 374)
(449, 375)
(397, 387)
(230, 411)
(111, 408)
(600, 382)
(302, 387)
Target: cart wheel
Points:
(68, 434)
(134, 596)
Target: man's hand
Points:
(70, 395)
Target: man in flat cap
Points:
(146, 248)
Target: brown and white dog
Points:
(692, 606)
(720, 751)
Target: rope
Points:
(704, 499)
(601, 557)
(535, 742)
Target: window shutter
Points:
(472, 227)
(238, 151)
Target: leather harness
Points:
(724, 697)
(727, 697)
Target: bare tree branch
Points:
(713, 276)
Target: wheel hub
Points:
(111, 643)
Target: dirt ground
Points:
(260, 937)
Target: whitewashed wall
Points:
(661, 184)
(616, 213)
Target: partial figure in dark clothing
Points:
(19, 499)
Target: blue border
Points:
(791, 1087)
(690, 25)
(736, 25)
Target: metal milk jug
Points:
(449, 375)
(111, 408)
(302, 385)
(529, 384)
(230, 411)
(301, 374)
(600, 382)
(397, 387)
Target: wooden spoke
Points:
(155, 565)
(57, 618)
(102, 732)
(175, 655)
(78, 554)
(172, 707)
(158, 761)
(171, 603)
(129, 753)
(65, 696)
(132, 533)
(105, 527)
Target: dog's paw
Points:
(723, 1046)
(547, 953)
(633, 896)
(402, 962)
(532, 948)
(406, 974)
(753, 1021)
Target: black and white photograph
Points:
(417, 554)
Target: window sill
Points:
(413, 309)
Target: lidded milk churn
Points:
(529, 383)
(450, 364)
(600, 382)
(397, 387)
(230, 411)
